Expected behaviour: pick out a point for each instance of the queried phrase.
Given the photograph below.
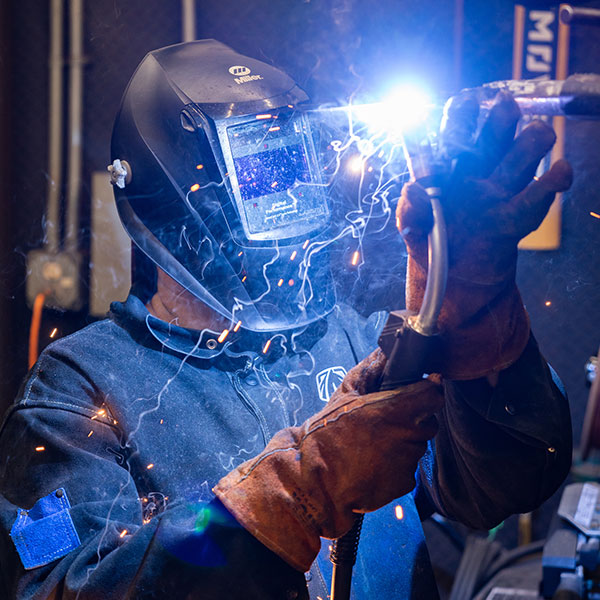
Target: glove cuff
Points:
(270, 510)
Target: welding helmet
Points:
(221, 186)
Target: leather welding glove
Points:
(490, 202)
(357, 454)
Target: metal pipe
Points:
(575, 14)
(188, 20)
(75, 124)
(55, 127)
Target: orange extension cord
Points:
(34, 330)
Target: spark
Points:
(290, 106)
(291, 282)
(266, 347)
(199, 167)
(355, 258)
(240, 253)
(162, 421)
(244, 278)
(274, 128)
(280, 283)
(267, 116)
(223, 335)
(548, 303)
(90, 433)
(237, 326)
(123, 533)
(274, 184)
(294, 254)
(40, 448)
(305, 245)
(150, 466)
(102, 412)
(195, 187)
(399, 511)
(53, 332)
(595, 215)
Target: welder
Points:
(223, 424)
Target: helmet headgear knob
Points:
(120, 173)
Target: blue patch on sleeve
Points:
(46, 531)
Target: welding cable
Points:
(507, 558)
(479, 554)
(34, 330)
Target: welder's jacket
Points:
(108, 458)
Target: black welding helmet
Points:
(223, 188)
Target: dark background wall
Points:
(333, 48)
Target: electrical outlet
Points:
(57, 276)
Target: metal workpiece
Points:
(577, 96)
(571, 15)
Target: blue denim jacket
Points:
(135, 420)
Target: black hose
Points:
(343, 557)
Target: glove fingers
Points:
(364, 378)
(459, 125)
(497, 133)
(414, 217)
(534, 201)
(521, 162)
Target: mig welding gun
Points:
(409, 340)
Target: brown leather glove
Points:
(356, 455)
(489, 203)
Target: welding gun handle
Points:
(410, 354)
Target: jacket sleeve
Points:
(500, 450)
(84, 532)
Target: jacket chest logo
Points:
(328, 380)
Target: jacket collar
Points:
(237, 349)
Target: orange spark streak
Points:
(280, 283)
(595, 215)
(305, 245)
(195, 187)
(123, 533)
(40, 448)
(355, 258)
(263, 116)
(150, 466)
(90, 433)
(237, 326)
(53, 332)
(294, 254)
(399, 512)
(223, 335)
(267, 345)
